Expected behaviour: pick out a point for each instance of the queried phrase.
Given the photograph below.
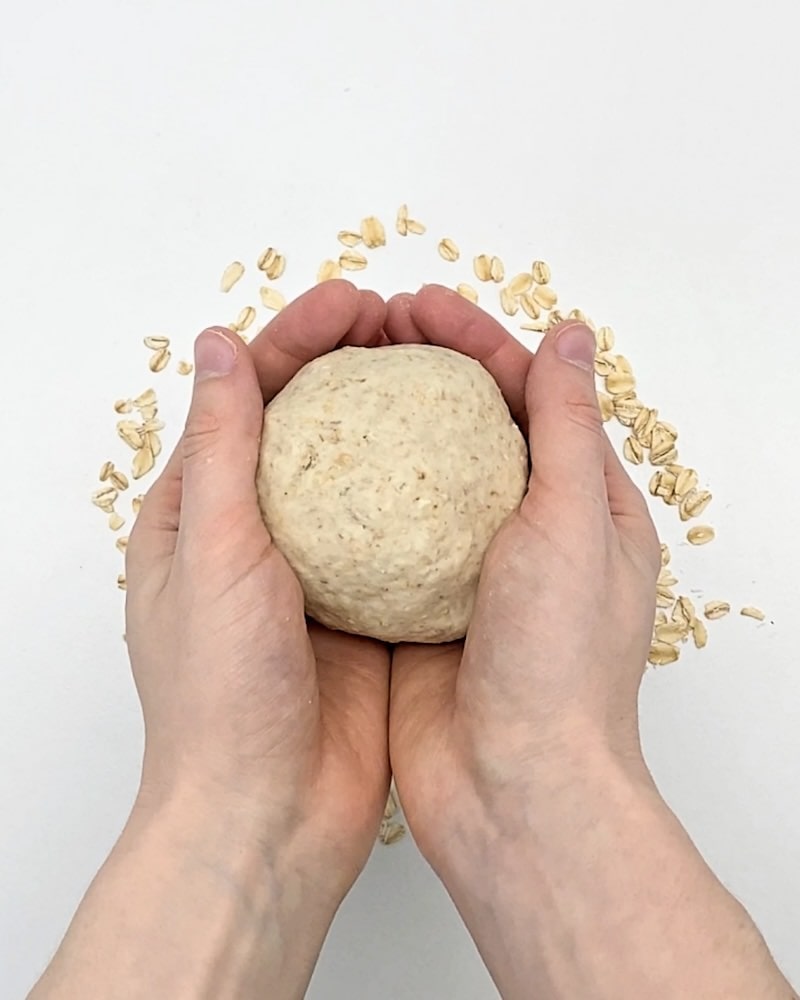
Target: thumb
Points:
(221, 440)
(565, 426)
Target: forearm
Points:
(595, 890)
(192, 904)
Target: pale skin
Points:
(270, 741)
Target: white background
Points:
(648, 152)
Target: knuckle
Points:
(201, 434)
(582, 411)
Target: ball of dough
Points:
(384, 474)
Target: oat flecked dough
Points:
(384, 474)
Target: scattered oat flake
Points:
(231, 275)
(122, 583)
(701, 534)
(633, 451)
(115, 521)
(122, 543)
(530, 308)
(606, 404)
(467, 292)
(392, 833)
(245, 318)
(508, 302)
(123, 406)
(105, 471)
(136, 503)
(276, 267)
(540, 272)
(185, 368)
(620, 382)
(694, 503)
(686, 482)
(329, 269)
(271, 298)
(119, 480)
(497, 270)
(751, 612)
(415, 227)
(716, 609)
(401, 222)
(544, 296)
(699, 633)
(448, 250)
(352, 260)
(537, 326)
(146, 398)
(391, 808)
(348, 238)
(626, 409)
(670, 632)
(266, 258)
(372, 232)
(130, 433)
(143, 461)
(662, 653)
(520, 283)
(156, 343)
(159, 361)
(482, 266)
(603, 365)
(105, 498)
(605, 339)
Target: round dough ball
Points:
(384, 474)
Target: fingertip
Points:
(215, 353)
(367, 327)
(400, 326)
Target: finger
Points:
(367, 328)
(155, 531)
(311, 325)
(447, 319)
(221, 442)
(400, 326)
(567, 442)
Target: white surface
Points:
(649, 155)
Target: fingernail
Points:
(214, 354)
(576, 344)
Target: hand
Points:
(516, 753)
(561, 628)
(242, 700)
(265, 770)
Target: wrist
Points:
(556, 797)
(193, 901)
(249, 841)
(220, 874)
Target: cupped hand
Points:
(551, 665)
(247, 707)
